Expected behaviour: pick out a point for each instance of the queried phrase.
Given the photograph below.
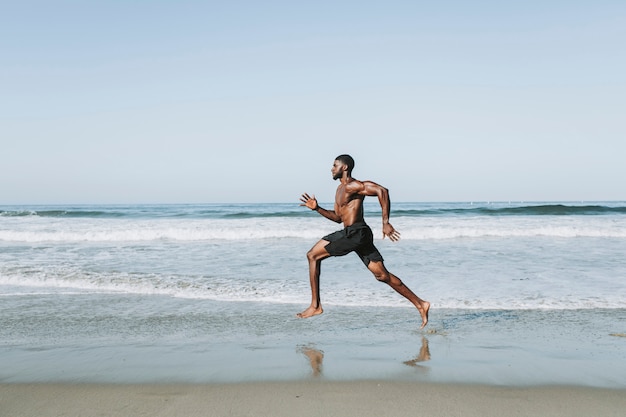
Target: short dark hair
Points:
(346, 159)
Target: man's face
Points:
(337, 170)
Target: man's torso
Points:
(348, 205)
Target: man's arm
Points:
(311, 202)
(370, 188)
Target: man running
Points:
(356, 235)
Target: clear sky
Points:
(250, 101)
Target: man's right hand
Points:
(309, 201)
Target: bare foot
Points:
(310, 312)
(425, 307)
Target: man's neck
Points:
(346, 179)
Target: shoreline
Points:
(307, 398)
(491, 348)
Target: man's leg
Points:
(315, 257)
(382, 275)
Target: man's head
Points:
(342, 163)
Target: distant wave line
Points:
(288, 211)
(540, 210)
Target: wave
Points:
(163, 213)
(417, 229)
(265, 211)
(269, 291)
(268, 215)
(63, 213)
(538, 210)
(557, 210)
(191, 235)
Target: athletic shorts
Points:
(355, 238)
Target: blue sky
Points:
(241, 101)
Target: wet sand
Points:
(307, 398)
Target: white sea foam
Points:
(43, 230)
(286, 292)
(457, 261)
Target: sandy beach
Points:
(312, 398)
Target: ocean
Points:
(125, 293)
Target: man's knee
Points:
(383, 277)
(316, 253)
(380, 272)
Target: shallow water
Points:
(121, 339)
(530, 294)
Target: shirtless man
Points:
(356, 235)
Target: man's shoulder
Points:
(354, 186)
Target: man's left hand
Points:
(390, 232)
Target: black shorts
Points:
(355, 238)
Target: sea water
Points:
(83, 286)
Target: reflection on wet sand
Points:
(316, 357)
(423, 356)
